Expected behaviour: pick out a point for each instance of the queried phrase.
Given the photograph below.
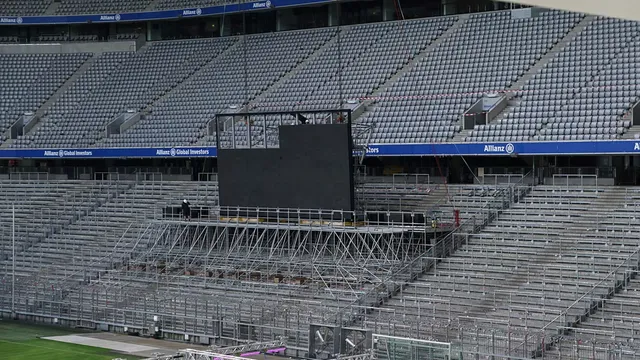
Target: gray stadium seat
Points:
(581, 94)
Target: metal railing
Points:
(507, 170)
(413, 180)
(603, 172)
(581, 180)
(399, 348)
(55, 205)
(582, 305)
(29, 175)
(208, 176)
(510, 344)
(500, 179)
(441, 249)
(149, 176)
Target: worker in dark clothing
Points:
(186, 210)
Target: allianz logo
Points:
(166, 152)
(508, 148)
(115, 17)
(181, 152)
(63, 153)
(192, 12)
(6, 20)
(261, 5)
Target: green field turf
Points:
(19, 341)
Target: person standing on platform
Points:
(186, 210)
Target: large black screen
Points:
(312, 169)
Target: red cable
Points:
(395, 5)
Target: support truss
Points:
(362, 134)
(250, 347)
(231, 283)
(251, 282)
(367, 356)
(190, 354)
(340, 258)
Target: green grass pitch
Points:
(20, 341)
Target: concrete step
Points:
(256, 103)
(416, 60)
(552, 53)
(152, 5)
(211, 62)
(596, 74)
(633, 132)
(539, 65)
(52, 100)
(459, 137)
(511, 104)
(79, 72)
(53, 7)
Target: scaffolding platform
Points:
(231, 241)
(315, 220)
(362, 228)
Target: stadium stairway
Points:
(544, 60)
(255, 104)
(49, 71)
(189, 56)
(614, 325)
(556, 244)
(482, 205)
(599, 74)
(44, 208)
(634, 131)
(61, 90)
(185, 81)
(557, 48)
(612, 322)
(65, 210)
(152, 5)
(101, 236)
(52, 100)
(451, 31)
(52, 8)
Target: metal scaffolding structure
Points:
(261, 129)
(190, 354)
(243, 351)
(245, 283)
(229, 282)
(265, 346)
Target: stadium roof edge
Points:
(622, 9)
